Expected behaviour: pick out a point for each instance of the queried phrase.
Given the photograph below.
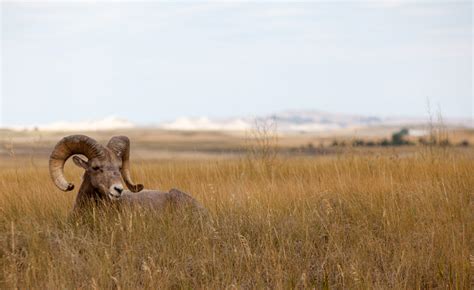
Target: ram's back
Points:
(160, 199)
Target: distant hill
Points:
(108, 123)
(306, 121)
(288, 121)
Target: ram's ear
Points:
(80, 162)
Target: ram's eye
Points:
(96, 168)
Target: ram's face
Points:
(104, 174)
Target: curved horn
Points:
(120, 145)
(68, 146)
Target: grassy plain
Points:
(375, 218)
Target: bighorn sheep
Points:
(102, 182)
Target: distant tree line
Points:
(399, 138)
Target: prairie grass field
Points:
(229, 145)
(351, 220)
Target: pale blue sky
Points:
(151, 62)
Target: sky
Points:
(151, 62)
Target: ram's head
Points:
(104, 168)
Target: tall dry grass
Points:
(336, 222)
